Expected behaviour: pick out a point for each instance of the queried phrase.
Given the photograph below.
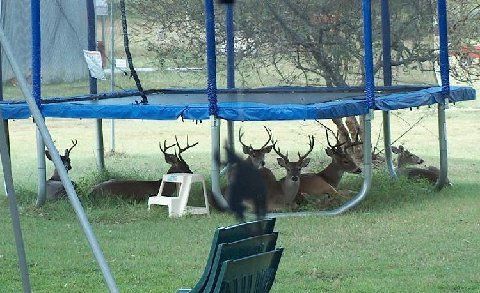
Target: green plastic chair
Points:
(227, 235)
(237, 250)
(253, 274)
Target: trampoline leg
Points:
(230, 142)
(442, 137)
(215, 169)
(387, 142)
(367, 167)
(100, 148)
(12, 202)
(42, 175)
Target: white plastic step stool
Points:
(177, 206)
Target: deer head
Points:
(294, 168)
(341, 158)
(175, 160)
(65, 158)
(405, 157)
(256, 156)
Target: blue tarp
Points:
(177, 106)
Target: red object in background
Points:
(472, 52)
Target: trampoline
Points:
(231, 104)
(261, 104)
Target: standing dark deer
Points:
(247, 179)
(54, 186)
(142, 189)
(406, 159)
(327, 180)
(282, 193)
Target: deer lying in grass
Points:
(282, 193)
(327, 180)
(142, 189)
(406, 159)
(54, 186)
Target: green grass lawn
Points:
(404, 237)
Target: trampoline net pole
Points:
(387, 81)
(67, 183)
(442, 105)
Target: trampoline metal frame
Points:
(44, 135)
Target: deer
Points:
(282, 193)
(327, 180)
(406, 159)
(140, 190)
(256, 157)
(247, 178)
(245, 186)
(54, 185)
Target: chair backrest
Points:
(253, 274)
(239, 249)
(232, 234)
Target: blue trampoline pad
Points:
(262, 104)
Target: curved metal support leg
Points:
(12, 201)
(367, 178)
(215, 169)
(387, 143)
(42, 175)
(442, 137)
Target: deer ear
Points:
(305, 162)
(395, 150)
(66, 152)
(47, 153)
(245, 150)
(267, 149)
(281, 162)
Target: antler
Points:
(311, 141)
(165, 147)
(355, 142)
(240, 136)
(269, 132)
(74, 144)
(279, 153)
(180, 149)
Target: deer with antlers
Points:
(405, 160)
(326, 181)
(142, 189)
(54, 186)
(282, 193)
